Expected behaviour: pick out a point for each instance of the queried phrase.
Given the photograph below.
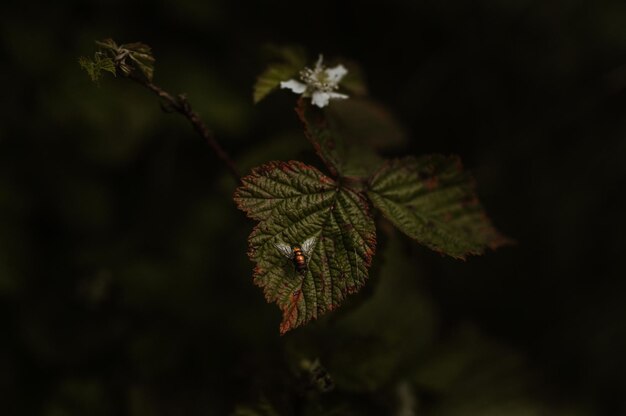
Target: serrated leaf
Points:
(344, 153)
(432, 200)
(293, 202)
(289, 61)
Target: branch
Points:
(181, 105)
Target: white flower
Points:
(318, 83)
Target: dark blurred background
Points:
(125, 288)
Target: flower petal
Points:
(293, 85)
(336, 74)
(320, 98)
(336, 95)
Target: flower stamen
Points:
(319, 83)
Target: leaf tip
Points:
(290, 313)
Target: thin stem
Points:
(181, 105)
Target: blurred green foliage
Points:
(124, 283)
(289, 61)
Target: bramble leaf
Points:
(289, 62)
(293, 202)
(432, 200)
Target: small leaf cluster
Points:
(129, 58)
(429, 198)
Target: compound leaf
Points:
(293, 202)
(432, 200)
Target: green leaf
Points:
(294, 202)
(289, 61)
(433, 201)
(337, 134)
(95, 66)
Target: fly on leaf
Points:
(299, 254)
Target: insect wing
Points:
(284, 249)
(307, 246)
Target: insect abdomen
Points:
(299, 260)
